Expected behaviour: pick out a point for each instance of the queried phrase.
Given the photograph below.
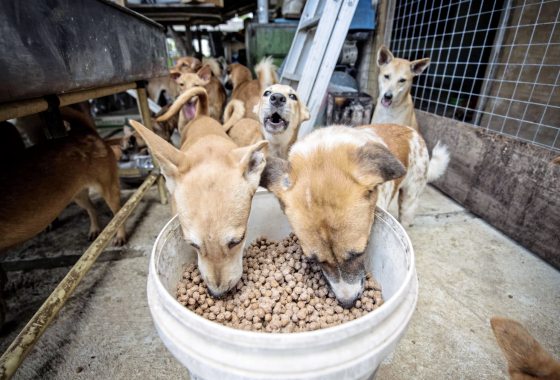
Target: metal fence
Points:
(495, 64)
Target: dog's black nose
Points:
(277, 99)
(388, 95)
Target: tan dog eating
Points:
(394, 104)
(212, 182)
(280, 112)
(332, 182)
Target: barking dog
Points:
(280, 113)
(333, 180)
(527, 359)
(212, 182)
(246, 89)
(394, 104)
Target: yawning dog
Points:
(201, 78)
(333, 180)
(212, 182)
(394, 103)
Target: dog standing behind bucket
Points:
(212, 182)
(394, 103)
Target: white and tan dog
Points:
(281, 113)
(394, 103)
(333, 180)
(212, 182)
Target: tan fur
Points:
(292, 110)
(211, 181)
(37, 187)
(187, 64)
(527, 359)
(391, 71)
(329, 188)
(245, 88)
(246, 132)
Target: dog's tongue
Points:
(386, 102)
(189, 110)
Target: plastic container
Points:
(351, 350)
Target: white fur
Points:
(439, 162)
(266, 72)
(332, 137)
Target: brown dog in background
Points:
(247, 90)
(527, 359)
(36, 187)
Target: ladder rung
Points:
(291, 76)
(311, 23)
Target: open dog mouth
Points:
(386, 102)
(189, 109)
(275, 123)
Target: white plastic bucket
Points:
(352, 350)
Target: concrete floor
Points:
(467, 271)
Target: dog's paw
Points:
(93, 234)
(119, 241)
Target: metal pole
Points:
(26, 339)
(142, 101)
(22, 108)
(262, 11)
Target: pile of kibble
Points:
(279, 292)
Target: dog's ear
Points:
(419, 65)
(251, 161)
(276, 176)
(303, 111)
(169, 158)
(376, 164)
(174, 74)
(384, 56)
(524, 354)
(205, 73)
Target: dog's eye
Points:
(386, 76)
(232, 243)
(402, 80)
(266, 93)
(181, 84)
(293, 97)
(195, 246)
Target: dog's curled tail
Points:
(266, 72)
(438, 162)
(525, 356)
(184, 98)
(235, 110)
(214, 66)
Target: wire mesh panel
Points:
(495, 64)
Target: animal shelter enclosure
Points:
(279, 189)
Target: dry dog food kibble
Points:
(279, 292)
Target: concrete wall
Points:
(510, 183)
